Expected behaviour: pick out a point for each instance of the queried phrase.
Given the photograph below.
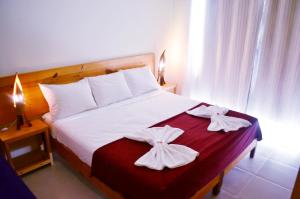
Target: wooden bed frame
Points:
(36, 106)
(296, 190)
(215, 184)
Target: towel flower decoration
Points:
(219, 120)
(163, 154)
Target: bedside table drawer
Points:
(30, 161)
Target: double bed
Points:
(93, 141)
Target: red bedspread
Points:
(113, 164)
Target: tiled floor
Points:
(270, 175)
(60, 182)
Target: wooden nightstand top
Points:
(12, 134)
(169, 87)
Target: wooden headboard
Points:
(35, 102)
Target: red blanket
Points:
(113, 164)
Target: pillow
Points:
(68, 99)
(140, 80)
(108, 89)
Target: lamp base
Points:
(161, 80)
(22, 120)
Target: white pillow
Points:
(140, 80)
(108, 89)
(68, 99)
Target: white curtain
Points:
(250, 57)
(275, 90)
(222, 74)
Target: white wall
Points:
(177, 47)
(36, 34)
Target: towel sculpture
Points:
(219, 121)
(163, 154)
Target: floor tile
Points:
(59, 182)
(259, 188)
(264, 149)
(252, 165)
(289, 157)
(236, 180)
(278, 173)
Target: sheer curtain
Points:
(250, 58)
(222, 74)
(275, 90)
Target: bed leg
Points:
(252, 152)
(217, 188)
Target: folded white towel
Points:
(208, 111)
(163, 154)
(218, 119)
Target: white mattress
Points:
(84, 133)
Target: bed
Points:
(107, 161)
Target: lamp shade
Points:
(161, 69)
(18, 91)
(162, 61)
(18, 100)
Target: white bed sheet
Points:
(85, 132)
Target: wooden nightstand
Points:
(33, 159)
(169, 87)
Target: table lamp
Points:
(19, 104)
(161, 69)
